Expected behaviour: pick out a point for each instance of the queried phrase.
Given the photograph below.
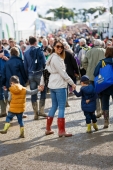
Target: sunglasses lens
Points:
(58, 46)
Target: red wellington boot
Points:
(48, 126)
(61, 128)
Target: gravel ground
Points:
(36, 151)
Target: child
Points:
(88, 102)
(17, 104)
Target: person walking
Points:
(58, 81)
(81, 55)
(17, 104)
(34, 63)
(4, 57)
(71, 69)
(14, 66)
(108, 91)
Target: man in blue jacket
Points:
(4, 55)
(34, 63)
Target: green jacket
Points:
(92, 58)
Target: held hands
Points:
(3, 57)
(74, 87)
(4, 87)
(41, 88)
(87, 101)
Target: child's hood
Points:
(16, 89)
(88, 89)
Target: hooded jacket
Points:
(87, 93)
(18, 98)
(34, 60)
(58, 76)
(109, 60)
(14, 66)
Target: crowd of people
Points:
(54, 63)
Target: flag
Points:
(26, 7)
(32, 7)
(35, 8)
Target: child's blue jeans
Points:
(58, 97)
(90, 116)
(18, 115)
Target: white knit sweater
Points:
(58, 77)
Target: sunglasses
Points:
(58, 46)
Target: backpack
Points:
(37, 56)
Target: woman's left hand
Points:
(41, 88)
(74, 87)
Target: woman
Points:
(109, 91)
(58, 86)
(14, 66)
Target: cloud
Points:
(44, 5)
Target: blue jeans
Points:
(19, 117)
(34, 81)
(90, 116)
(58, 97)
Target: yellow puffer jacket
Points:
(18, 98)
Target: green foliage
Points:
(62, 12)
(93, 10)
(40, 16)
(73, 14)
(111, 10)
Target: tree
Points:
(83, 13)
(93, 10)
(62, 12)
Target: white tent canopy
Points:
(103, 18)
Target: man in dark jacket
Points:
(14, 66)
(34, 63)
(71, 67)
(4, 55)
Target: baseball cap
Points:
(84, 78)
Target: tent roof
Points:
(103, 18)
